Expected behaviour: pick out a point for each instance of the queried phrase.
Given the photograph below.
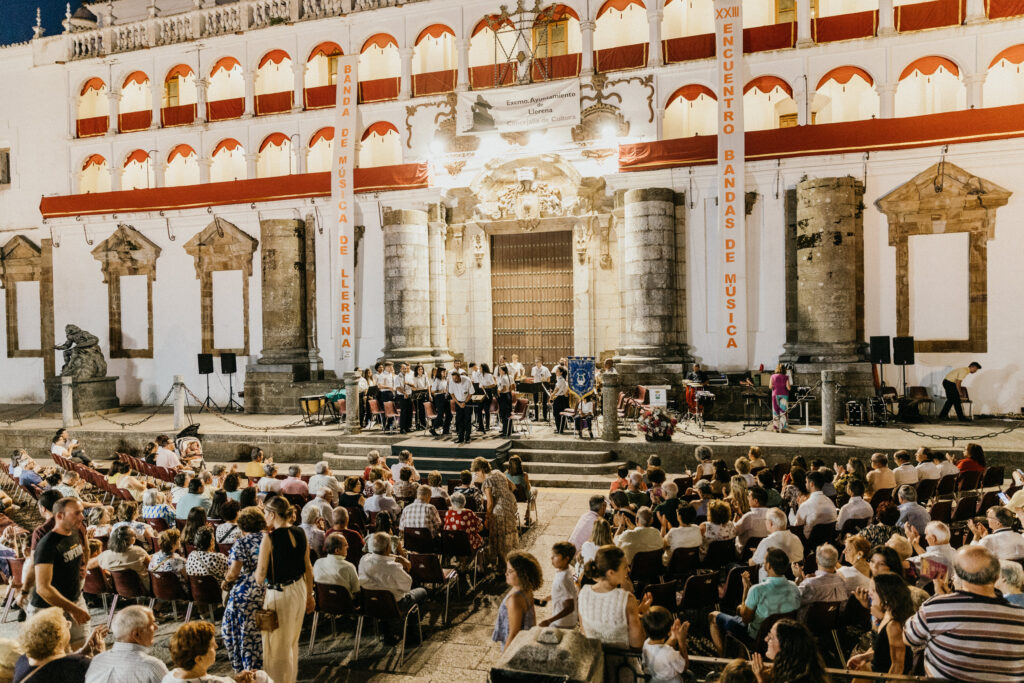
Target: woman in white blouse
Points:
(559, 398)
(489, 386)
(608, 609)
(438, 391)
(504, 386)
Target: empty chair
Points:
(683, 561)
(332, 601)
(128, 585)
(664, 595)
(391, 416)
(965, 509)
(376, 412)
(382, 605)
(967, 481)
(966, 402)
(646, 568)
(819, 534)
(167, 586)
(988, 500)
(946, 486)
(993, 478)
(205, 591)
(880, 496)
(734, 587)
(455, 545)
(427, 571)
(720, 554)
(920, 396)
(942, 511)
(926, 490)
(419, 540)
(700, 592)
(823, 618)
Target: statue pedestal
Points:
(90, 395)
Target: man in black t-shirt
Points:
(59, 562)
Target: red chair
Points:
(419, 540)
(376, 412)
(332, 601)
(167, 586)
(383, 606)
(205, 591)
(646, 568)
(429, 414)
(15, 567)
(391, 416)
(427, 571)
(455, 544)
(521, 414)
(159, 525)
(128, 585)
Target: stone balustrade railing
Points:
(208, 22)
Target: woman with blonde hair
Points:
(46, 641)
(600, 536)
(738, 496)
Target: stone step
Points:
(533, 455)
(362, 450)
(579, 445)
(606, 469)
(597, 482)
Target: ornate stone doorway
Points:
(532, 295)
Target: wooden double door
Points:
(532, 297)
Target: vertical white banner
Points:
(344, 202)
(731, 205)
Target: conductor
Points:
(951, 385)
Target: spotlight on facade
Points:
(437, 147)
(608, 132)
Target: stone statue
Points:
(82, 356)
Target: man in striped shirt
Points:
(970, 634)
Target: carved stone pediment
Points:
(222, 246)
(127, 252)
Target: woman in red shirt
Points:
(458, 518)
(973, 460)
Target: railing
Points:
(209, 22)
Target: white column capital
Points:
(976, 12)
(885, 18)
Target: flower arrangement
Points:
(657, 425)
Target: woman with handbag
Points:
(241, 634)
(284, 566)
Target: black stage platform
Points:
(448, 457)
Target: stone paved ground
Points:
(458, 652)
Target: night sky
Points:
(17, 17)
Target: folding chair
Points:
(965, 509)
(993, 478)
(926, 490)
(941, 511)
(391, 416)
(720, 554)
(455, 544)
(15, 567)
(429, 415)
(683, 561)
(427, 571)
(382, 605)
(646, 568)
(205, 591)
(419, 540)
(521, 414)
(530, 498)
(167, 586)
(946, 486)
(128, 585)
(664, 595)
(332, 601)
(376, 412)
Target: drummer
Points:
(697, 375)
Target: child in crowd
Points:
(621, 479)
(665, 657)
(563, 588)
(705, 468)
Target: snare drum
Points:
(706, 401)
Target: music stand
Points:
(228, 367)
(205, 361)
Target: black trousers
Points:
(483, 411)
(464, 421)
(952, 401)
(443, 410)
(505, 412)
(405, 419)
(557, 406)
(418, 397)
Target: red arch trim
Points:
(381, 40)
(226, 63)
(94, 83)
(276, 139)
(1014, 55)
(619, 6)
(929, 65)
(766, 84)
(136, 77)
(491, 21)
(180, 71)
(557, 13)
(326, 133)
(138, 156)
(274, 56)
(327, 49)
(843, 74)
(381, 128)
(183, 151)
(229, 145)
(434, 31)
(93, 160)
(691, 92)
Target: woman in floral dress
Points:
(242, 638)
(502, 512)
(458, 518)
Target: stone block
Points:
(89, 395)
(553, 652)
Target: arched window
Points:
(227, 161)
(138, 171)
(93, 108)
(434, 61)
(930, 85)
(1004, 82)
(182, 167)
(619, 23)
(275, 156)
(179, 96)
(687, 18)
(691, 110)
(768, 103)
(492, 54)
(95, 175)
(135, 109)
(845, 93)
(225, 96)
(275, 83)
(321, 146)
(380, 68)
(380, 145)
(557, 43)
(322, 65)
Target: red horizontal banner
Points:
(433, 82)
(274, 103)
(220, 110)
(379, 89)
(971, 125)
(279, 188)
(182, 115)
(492, 75)
(320, 96)
(96, 125)
(688, 48)
(1001, 9)
(554, 68)
(935, 14)
(619, 58)
(134, 120)
(770, 37)
(844, 26)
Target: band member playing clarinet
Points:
(489, 388)
(440, 401)
(559, 398)
(540, 374)
(504, 388)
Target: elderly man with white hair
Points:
(154, 507)
(936, 535)
(640, 537)
(778, 537)
(323, 501)
(314, 534)
(323, 479)
(910, 511)
(1011, 582)
(825, 585)
(382, 571)
(128, 660)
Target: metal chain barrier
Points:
(27, 416)
(199, 401)
(953, 439)
(125, 425)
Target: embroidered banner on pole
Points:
(581, 375)
(344, 201)
(731, 209)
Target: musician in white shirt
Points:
(540, 374)
(442, 406)
(386, 383)
(461, 389)
(420, 383)
(403, 387)
(559, 398)
(515, 368)
(503, 385)
(488, 388)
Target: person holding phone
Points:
(1016, 501)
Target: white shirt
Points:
(905, 474)
(751, 525)
(439, 386)
(487, 380)
(639, 540)
(540, 374)
(817, 509)
(363, 385)
(420, 382)
(268, 484)
(167, 458)
(663, 662)
(321, 481)
(461, 391)
(561, 387)
(504, 383)
(563, 591)
(1005, 544)
(336, 571)
(125, 663)
(927, 470)
(476, 377)
(515, 369)
(946, 468)
(853, 578)
(856, 508)
(386, 381)
(683, 537)
(784, 540)
(403, 383)
(396, 472)
(383, 573)
(382, 503)
(57, 449)
(585, 407)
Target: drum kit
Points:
(699, 402)
(871, 412)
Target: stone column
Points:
(201, 87)
(352, 404)
(157, 100)
(976, 12)
(159, 168)
(828, 407)
(800, 96)
(609, 407)
(113, 111)
(299, 83)
(283, 264)
(250, 164)
(887, 100)
(803, 23)
(587, 47)
(463, 82)
(648, 295)
(405, 88)
(654, 16)
(115, 175)
(975, 84)
(249, 77)
(406, 285)
(438, 272)
(885, 18)
(204, 170)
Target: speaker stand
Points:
(208, 403)
(904, 372)
(232, 405)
